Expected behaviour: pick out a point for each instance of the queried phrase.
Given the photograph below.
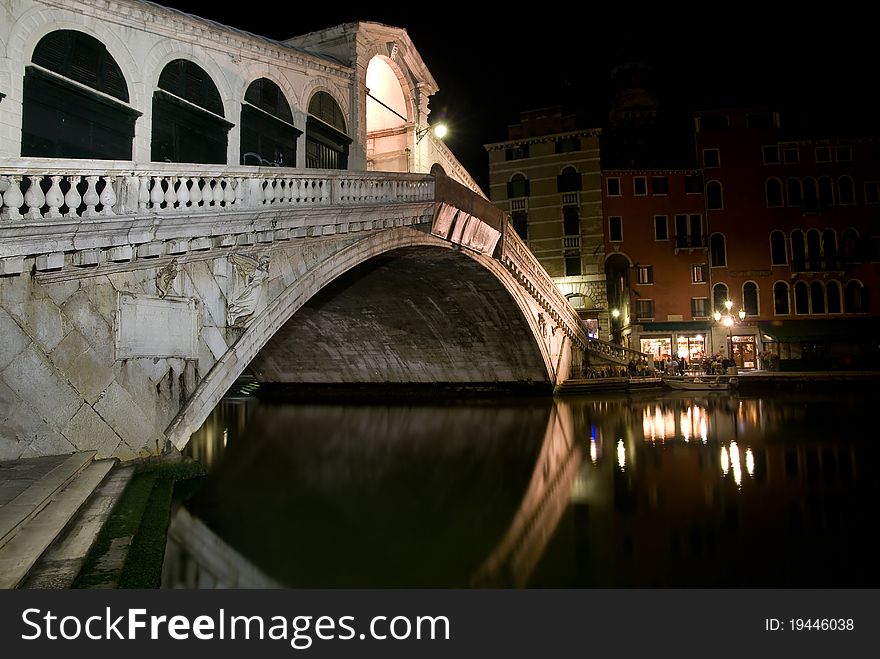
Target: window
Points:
(872, 192)
(569, 180)
(817, 297)
(764, 120)
(714, 196)
(850, 245)
(700, 307)
(793, 192)
(661, 228)
(644, 309)
(780, 299)
(517, 186)
(823, 154)
(855, 297)
(750, 298)
(711, 158)
(790, 156)
(777, 248)
(699, 273)
(833, 292)
(268, 136)
(326, 139)
(660, 185)
(615, 229)
(568, 145)
(612, 185)
(843, 153)
(826, 192)
(801, 298)
(774, 193)
(188, 124)
(717, 250)
(693, 184)
(719, 297)
(829, 249)
(640, 186)
(810, 201)
(798, 251)
(645, 274)
(516, 152)
(572, 264)
(82, 111)
(571, 222)
(520, 221)
(771, 155)
(689, 231)
(846, 191)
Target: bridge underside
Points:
(413, 315)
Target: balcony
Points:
(571, 198)
(520, 204)
(690, 243)
(571, 242)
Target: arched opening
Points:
(720, 295)
(75, 101)
(268, 136)
(436, 170)
(326, 140)
(617, 285)
(387, 118)
(750, 298)
(188, 123)
(777, 248)
(780, 299)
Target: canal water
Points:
(649, 489)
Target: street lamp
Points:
(727, 319)
(440, 131)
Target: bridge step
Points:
(31, 537)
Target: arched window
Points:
(817, 297)
(326, 140)
(850, 245)
(855, 297)
(780, 299)
(569, 180)
(793, 192)
(268, 136)
(826, 192)
(717, 250)
(798, 250)
(750, 298)
(188, 123)
(714, 195)
(801, 298)
(833, 292)
(774, 192)
(845, 191)
(517, 186)
(811, 195)
(777, 248)
(814, 250)
(75, 101)
(829, 249)
(437, 169)
(720, 295)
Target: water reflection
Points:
(678, 490)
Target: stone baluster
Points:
(91, 197)
(216, 192)
(170, 194)
(157, 195)
(291, 191)
(12, 199)
(73, 198)
(268, 191)
(281, 191)
(195, 192)
(324, 191)
(108, 196)
(228, 193)
(34, 198)
(54, 197)
(239, 192)
(183, 196)
(143, 193)
(294, 189)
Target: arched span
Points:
(496, 328)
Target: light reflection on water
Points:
(673, 490)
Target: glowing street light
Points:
(439, 130)
(727, 319)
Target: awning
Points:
(824, 329)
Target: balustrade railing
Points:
(86, 189)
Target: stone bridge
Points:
(123, 324)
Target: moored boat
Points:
(700, 383)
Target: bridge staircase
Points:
(51, 510)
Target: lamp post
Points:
(440, 131)
(727, 319)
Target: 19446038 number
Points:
(822, 624)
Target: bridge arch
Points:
(518, 322)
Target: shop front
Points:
(662, 340)
(744, 351)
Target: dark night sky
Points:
(489, 70)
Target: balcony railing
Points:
(686, 241)
(519, 204)
(571, 199)
(571, 242)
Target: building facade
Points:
(547, 177)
